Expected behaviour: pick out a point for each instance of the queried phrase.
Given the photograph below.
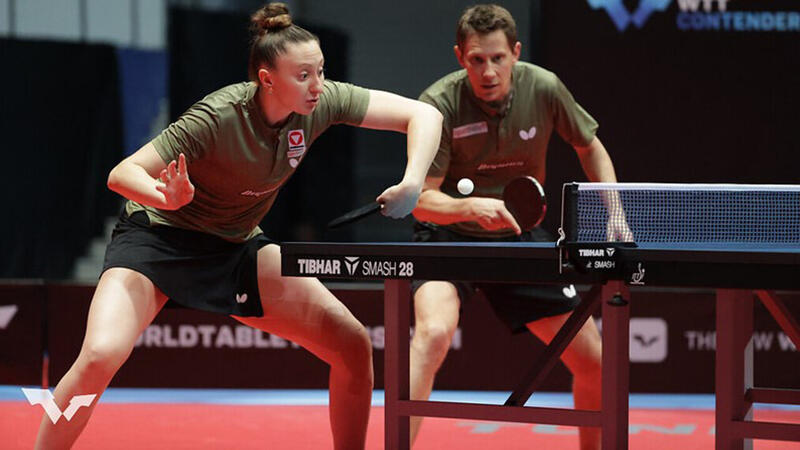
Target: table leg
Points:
(616, 331)
(396, 319)
(734, 367)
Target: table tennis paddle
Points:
(356, 214)
(525, 200)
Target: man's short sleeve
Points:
(571, 121)
(441, 162)
(192, 134)
(343, 103)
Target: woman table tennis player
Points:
(189, 232)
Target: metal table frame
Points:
(735, 393)
(612, 418)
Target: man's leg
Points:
(583, 357)
(436, 305)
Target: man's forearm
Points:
(437, 207)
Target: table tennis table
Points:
(736, 270)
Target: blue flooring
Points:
(302, 397)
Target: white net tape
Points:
(696, 213)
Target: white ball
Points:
(465, 186)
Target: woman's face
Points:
(297, 77)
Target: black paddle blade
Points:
(525, 200)
(356, 214)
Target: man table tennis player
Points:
(499, 114)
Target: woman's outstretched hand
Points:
(177, 189)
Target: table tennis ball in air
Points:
(465, 186)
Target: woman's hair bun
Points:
(271, 17)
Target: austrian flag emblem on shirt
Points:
(297, 143)
(297, 146)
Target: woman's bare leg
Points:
(124, 303)
(305, 312)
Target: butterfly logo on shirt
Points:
(526, 135)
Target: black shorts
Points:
(515, 304)
(194, 269)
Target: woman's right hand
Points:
(399, 200)
(178, 190)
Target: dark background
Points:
(677, 106)
(61, 135)
(673, 106)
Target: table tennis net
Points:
(691, 213)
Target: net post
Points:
(569, 211)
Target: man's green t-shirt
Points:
(237, 162)
(490, 145)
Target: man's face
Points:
(488, 60)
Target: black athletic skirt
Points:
(194, 269)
